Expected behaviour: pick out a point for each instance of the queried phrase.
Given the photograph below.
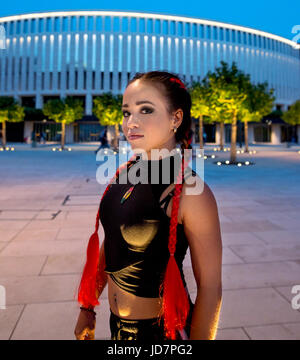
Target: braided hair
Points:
(175, 303)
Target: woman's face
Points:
(145, 113)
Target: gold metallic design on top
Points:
(139, 236)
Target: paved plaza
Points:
(48, 205)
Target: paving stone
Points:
(265, 274)
(267, 252)
(231, 334)
(249, 307)
(275, 332)
(280, 237)
(21, 265)
(8, 320)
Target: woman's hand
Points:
(85, 327)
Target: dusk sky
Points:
(275, 16)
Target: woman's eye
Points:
(147, 109)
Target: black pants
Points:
(144, 329)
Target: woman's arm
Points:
(202, 228)
(101, 274)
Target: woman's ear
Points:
(177, 118)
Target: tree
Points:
(292, 116)
(259, 102)
(108, 109)
(200, 105)
(10, 111)
(231, 84)
(64, 111)
(217, 111)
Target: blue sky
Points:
(275, 16)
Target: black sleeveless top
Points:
(137, 231)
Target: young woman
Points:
(149, 226)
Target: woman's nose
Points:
(132, 122)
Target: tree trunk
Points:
(201, 131)
(4, 134)
(233, 137)
(63, 132)
(116, 136)
(246, 136)
(222, 135)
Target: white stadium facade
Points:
(85, 53)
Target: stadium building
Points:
(85, 53)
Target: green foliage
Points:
(292, 116)
(200, 95)
(64, 111)
(108, 109)
(10, 110)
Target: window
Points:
(73, 23)
(250, 39)
(48, 25)
(133, 24)
(157, 27)
(195, 32)
(125, 24)
(98, 23)
(65, 24)
(165, 27)
(221, 32)
(180, 28)
(90, 23)
(56, 24)
(215, 36)
(18, 29)
(150, 26)
(227, 35)
(142, 25)
(233, 36)
(41, 25)
(259, 41)
(239, 37)
(81, 23)
(208, 32)
(107, 23)
(187, 29)
(201, 34)
(172, 27)
(116, 24)
(25, 29)
(245, 38)
(255, 40)
(32, 26)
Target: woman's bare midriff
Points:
(128, 306)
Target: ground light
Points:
(206, 156)
(238, 151)
(235, 163)
(219, 149)
(60, 149)
(7, 148)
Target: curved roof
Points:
(152, 16)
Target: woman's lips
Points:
(133, 137)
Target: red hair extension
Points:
(175, 306)
(93, 271)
